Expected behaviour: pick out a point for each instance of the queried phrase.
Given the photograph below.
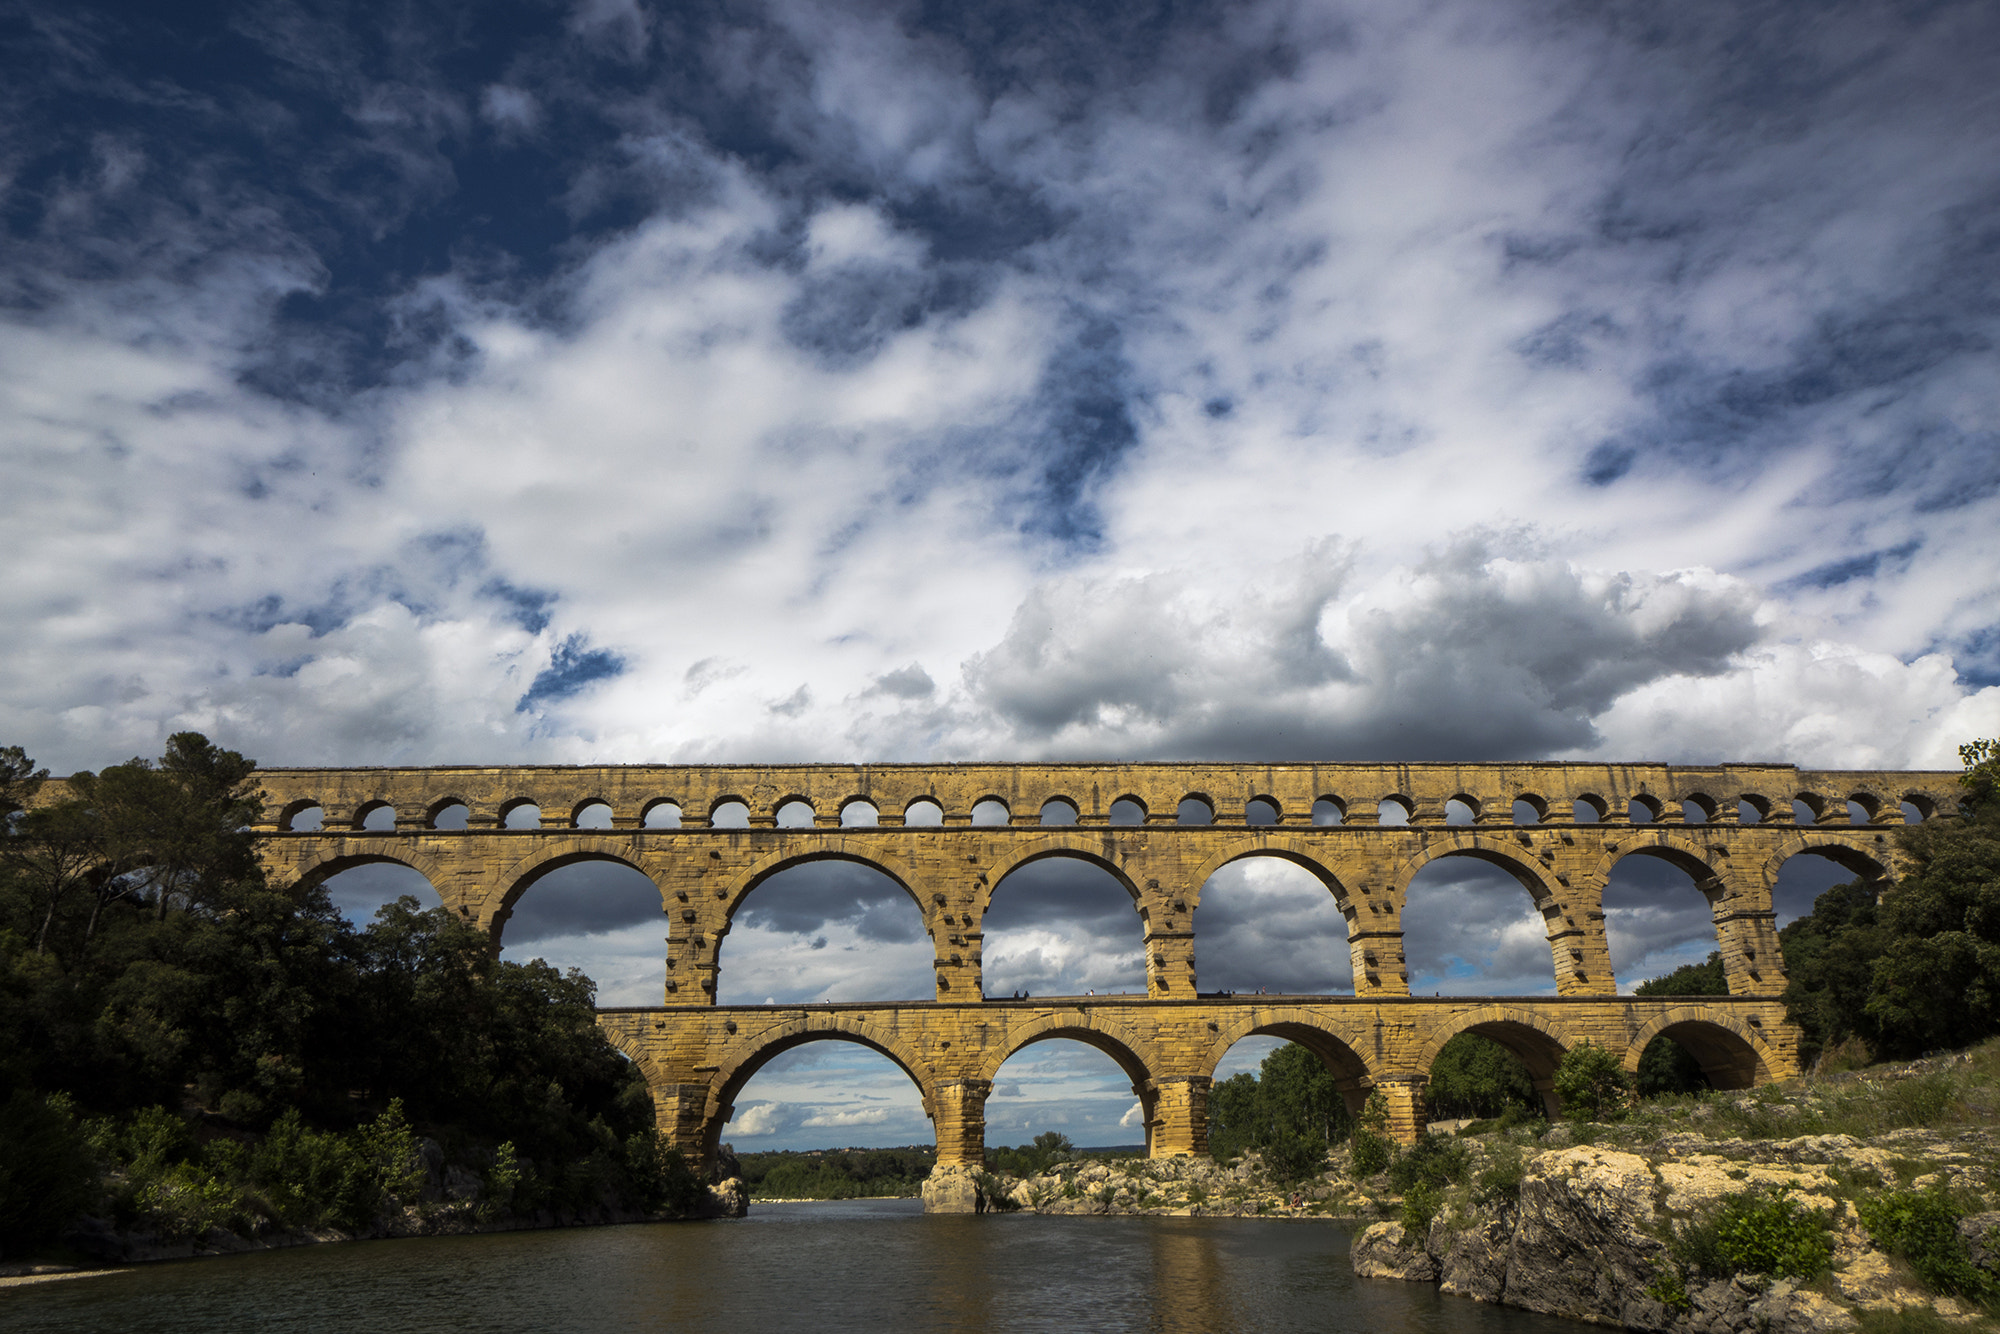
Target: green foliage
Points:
(841, 1176)
(48, 1170)
(1292, 1096)
(1922, 1227)
(1476, 1076)
(1050, 1147)
(994, 1193)
(1421, 1203)
(1290, 1158)
(1373, 1150)
(1591, 1083)
(312, 1178)
(1666, 1067)
(1499, 1182)
(146, 963)
(1434, 1160)
(1981, 779)
(1919, 969)
(662, 1179)
(1706, 978)
(1757, 1231)
(1904, 1320)
(1670, 1291)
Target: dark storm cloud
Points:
(1062, 893)
(588, 898)
(805, 900)
(513, 273)
(1482, 656)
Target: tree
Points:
(1917, 968)
(1293, 1095)
(1476, 1076)
(1666, 1066)
(19, 780)
(55, 850)
(180, 828)
(1592, 1084)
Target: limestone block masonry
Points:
(949, 834)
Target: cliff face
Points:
(1587, 1239)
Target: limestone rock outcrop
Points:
(1585, 1240)
(1381, 1252)
(951, 1189)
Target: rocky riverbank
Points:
(1646, 1223)
(1667, 1223)
(1186, 1186)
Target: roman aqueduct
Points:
(483, 836)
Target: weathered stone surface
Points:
(1582, 1247)
(1981, 1233)
(1472, 1258)
(950, 1189)
(1747, 1305)
(1868, 1280)
(728, 1198)
(1379, 1252)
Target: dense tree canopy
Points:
(1917, 968)
(1476, 1076)
(146, 962)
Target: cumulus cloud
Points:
(765, 1118)
(818, 382)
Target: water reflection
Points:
(851, 1266)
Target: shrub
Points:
(661, 1179)
(1923, 1229)
(1762, 1232)
(1372, 1153)
(1373, 1150)
(1290, 1158)
(1592, 1084)
(1500, 1181)
(1434, 1160)
(1670, 1291)
(1420, 1205)
(312, 1178)
(995, 1194)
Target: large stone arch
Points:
(1339, 1052)
(1676, 849)
(1838, 848)
(1731, 1053)
(1140, 1060)
(322, 859)
(1535, 1039)
(1132, 1053)
(1080, 843)
(520, 875)
(832, 847)
(1509, 857)
(1300, 852)
(752, 1051)
(635, 1051)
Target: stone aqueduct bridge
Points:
(697, 1055)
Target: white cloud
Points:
(1389, 384)
(862, 1116)
(766, 1118)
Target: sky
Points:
(611, 381)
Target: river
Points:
(823, 1268)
